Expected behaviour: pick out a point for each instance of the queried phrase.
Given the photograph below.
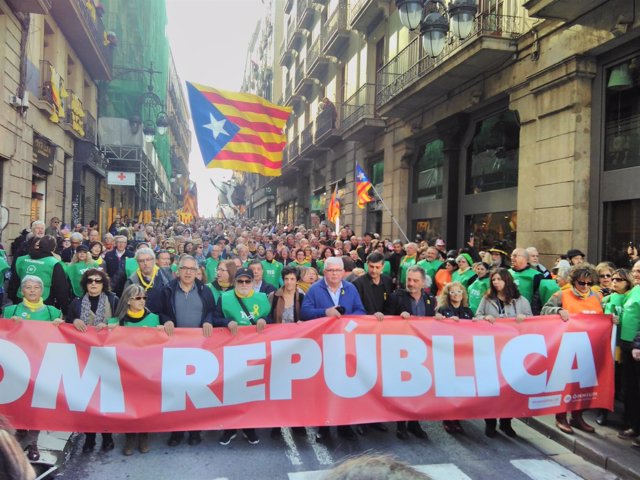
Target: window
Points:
(430, 229)
(491, 229)
(428, 172)
(492, 156)
(622, 115)
(621, 229)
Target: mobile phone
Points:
(340, 309)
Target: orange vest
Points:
(574, 304)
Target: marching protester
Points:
(151, 277)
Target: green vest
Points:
(630, 319)
(149, 320)
(41, 268)
(430, 268)
(295, 264)
(75, 271)
(257, 304)
(174, 267)
(45, 314)
(476, 291)
(386, 268)
(272, 272)
(612, 304)
(211, 268)
(463, 278)
(4, 266)
(404, 266)
(546, 289)
(524, 281)
(216, 292)
(130, 266)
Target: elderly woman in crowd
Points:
(578, 298)
(225, 274)
(94, 308)
(32, 307)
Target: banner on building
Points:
(123, 179)
(324, 372)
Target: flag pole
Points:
(390, 212)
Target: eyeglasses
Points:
(332, 270)
(138, 298)
(94, 280)
(188, 269)
(606, 275)
(455, 292)
(618, 279)
(584, 284)
(243, 281)
(222, 270)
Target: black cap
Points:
(574, 252)
(244, 272)
(82, 248)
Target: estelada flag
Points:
(238, 131)
(333, 210)
(363, 185)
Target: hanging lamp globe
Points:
(410, 13)
(462, 14)
(434, 30)
(162, 123)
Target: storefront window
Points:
(491, 229)
(428, 172)
(622, 115)
(429, 229)
(492, 157)
(621, 230)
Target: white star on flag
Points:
(216, 126)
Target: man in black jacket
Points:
(412, 301)
(187, 303)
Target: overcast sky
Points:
(209, 40)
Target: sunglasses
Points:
(584, 284)
(605, 275)
(138, 298)
(94, 280)
(244, 281)
(455, 292)
(617, 279)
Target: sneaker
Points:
(251, 436)
(226, 437)
(627, 434)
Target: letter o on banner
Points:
(16, 371)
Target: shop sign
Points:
(44, 153)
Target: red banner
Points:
(324, 372)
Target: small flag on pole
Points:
(363, 185)
(333, 210)
(238, 131)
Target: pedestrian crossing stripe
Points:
(534, 469)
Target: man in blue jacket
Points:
(332, 297)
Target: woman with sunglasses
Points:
(579, 298)
(605, 272)
(95, 308)
(453, 303)
(132, 312)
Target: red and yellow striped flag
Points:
(238, 131)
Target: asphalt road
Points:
(445, 457)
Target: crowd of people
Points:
(242, 274)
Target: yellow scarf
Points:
(224, 285)
(33, 306)
(406, 258)
(249, 295)
(138, 314)
(146, 285)
(304, 286)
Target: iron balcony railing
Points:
(325, 123)
(412, 63)
(285, 156)
(294, 148)
(90, 127)
(359, 105)
(287, 91)
(336, 21)
(299, 76)
(356, 6)
(313, 53)
(302, 6)
(46, 85)
(306, 137)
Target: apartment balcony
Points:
(306, 14)
(73, 121)
(337, 33)
(288, 5)
(40, 7)
(327, 135)
(49, 82)
(285, 156)
(366, 14)
(413, 80)
(294, 150)
(567, 10)
(84, 30)
(317, 61)
(295, 37)
(359, 119)
(306, 139)
(286, 55)
(288, 90)
(90, 127)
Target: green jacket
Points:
(476, 291)
(525, 280)
(41, 268)
(211, 268)
(430, 268)
(464, 278)
(257, 305)
(272, 272)
(546, 289)
(405, 263)
(130, 266)
(630, 319)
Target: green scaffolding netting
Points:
(140, 26)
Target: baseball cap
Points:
(244, 272)
(440, 242)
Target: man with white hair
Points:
(526, 278)
(332, 297)
(151, 277)
(534, 259)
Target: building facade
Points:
(526, 132)
(52, 54)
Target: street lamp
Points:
(436, 20)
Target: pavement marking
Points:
(291, 450)
(321, 452)
(314, 475)
(544, 470)
(442, 471)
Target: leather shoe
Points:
(627, 434)
(402, 434)
(508, 430)
(490, 431)
(323, 435)
(32, 453)
(579, 423)
(175, 439)
(417, 430)
(602, 418)
(361, 430)
(107, 442)
(89, 445)
(194, 438)
(563, 426)
(381, 427)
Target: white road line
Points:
(321, 452)
(442, 471)
(315, 475)
(291, 451)
(544, 470)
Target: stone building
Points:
(527, 131)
